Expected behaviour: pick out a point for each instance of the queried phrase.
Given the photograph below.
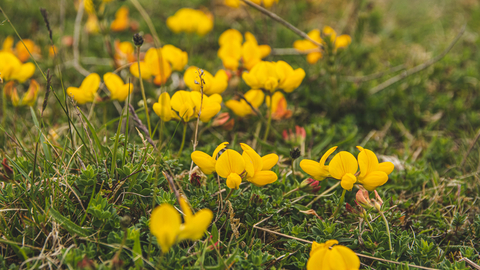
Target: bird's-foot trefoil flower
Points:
(87, 90)
(343, 167)
(153, 64)
(205, 162)
(163, 108)
(121, 22)
(29, 97)
(337, 42)
(259, 168)
(262, 76)
(190, 21)
(372, 173)
(211, 84)
(124, 53)
(241, 107)
(13, 69)
(209, 106)
(332, 256)
(176, 57)
(317, 170)
(305, 45)
(230, 50)
(231, 166)
(118, 90)
(279, 106)
(252, 53)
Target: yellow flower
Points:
(279, 106)
(289, 79)
(212, 85)
(331, 256)
(118, 89)
(124, 53)
(241, 108)
(163, 108)
(307, 45)
(259, 172)
(11, 91)
(8, 44)
(121, 21)
(230, 36)
(252, 53)
(231, 165)
(154, 64)
(190, 21)
(176, 57)
(262, 76)
(30, 96)
(87, 90)
(317, 170)
(343, 167)
(230, 48)
(183, 104)
(165, 224)
(92, 24)
(52, 50)
(23, 49)
(372, 173)
(210, 108)
(12, 69)
(205, 162)
(233, 3)
(338, 42)
(236, 3)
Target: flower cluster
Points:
(235, 167)
(87, 92)
(22, 50)
(211, 84)
(314, 53)
(231, 50)
(272, 76)
(344, 167)
(165, 224)
(28, 98)
(190, 21)
(332, 256)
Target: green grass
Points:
(73, 207)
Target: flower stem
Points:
(229, 194)
(143, 93)
(290, 192)
(269, 119)
(388, 231)
(340, 203)
(365, 217)
(183, 138)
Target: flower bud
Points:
(295, 153)
(377, 202)
(137, 39)
(363, 199)
(310, 185)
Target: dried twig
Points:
(140, 125)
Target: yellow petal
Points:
(386, 167)
(216, 98)
(118, 90)
(233, 181)
(218, 149)
(263, 178)
(239, 108)
(341, 164)
(204, 161)
(165, 225)
(313, 58)
(30, 96)
(183, 104)
(91, 83)
(24, 72)
(317, 259)
(257, 161)
(316, 247)
(368, 162)
(163, 108)
(230, 162)
(269, 161)
(144, 69)
(248, 165)
(195, 227)
(335, 259)
(374, 180)
(255, 97)
(230, 36)
(314, 169)
(348, 256)
(348, 180)
(342, 41)
(219, 83)
(190, 77)
(80, 95)
(187, 212)
(176, 57)
(327, 154)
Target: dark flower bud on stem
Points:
(137, 39)
(295, 153)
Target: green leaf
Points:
(67, 223)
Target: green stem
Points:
(269, 119)
(290, 192)
(143, 93)
(388, 231)
(365, 217)
(340, 203)
(183, 138)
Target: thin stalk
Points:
(388, 231)
(365, 217)
(183, 138)
(340, 203)
(269, 119)
(114, 157)
(291, 191)
(323, 193)
(143, 93)
(126, 129)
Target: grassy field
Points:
(80, 178)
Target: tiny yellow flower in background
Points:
(338, 42)
(262, 76)
(210, 107)
(52, 50)
(252, 53)
(182, 103)
(8, 44)
(236, 3)
(121, 21)
(306, 45)
(118, 90)
(318, 170)
(259, 172)
(23, 49)
(163, 108)
(87, 90)
(212, 85)
(289, 79)
(154, 64)
(124, 53)
(231, 165)
(176, 57)
(190, 21)
(230, 50)
(92, 24)
(165, 225)
(13, 69)
(343, 167)
(372, 173)
(233, 3)
(230, 36)
(332, 256)
(205, 162)
(29, 97)
(279, 106)
(241, 108)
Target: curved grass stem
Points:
(183, 138)
(340, 203)
(145, 104)
(388, 231)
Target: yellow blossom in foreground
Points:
(317, 170)
(241, 108)
(87, 90)
(212, 85)
(165, 224)
(13, 69)
(210, 107)
(259, 168)
(205, 162)
(252, 53)
(231, 165)
(118, 90)
(29, 97)
(121, 21)
(279, 106)
(183, 104)
(262, 76)
(176, 57)
(343, 167)
(25, 49)
(372, 173)
(163, 108)
(306, 45)
(331, 256)
(289, 79)
(190, 21)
